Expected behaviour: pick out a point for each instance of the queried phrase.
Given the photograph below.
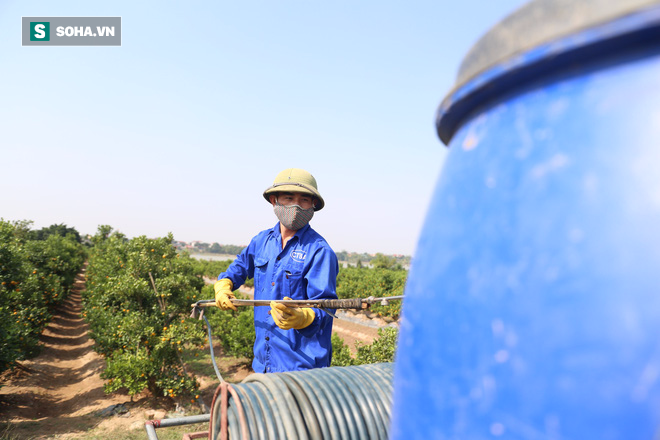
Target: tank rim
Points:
(586, 45)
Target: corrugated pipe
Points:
(329, 403)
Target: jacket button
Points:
(267, 338)
(272, 284)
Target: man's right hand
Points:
(224, 294)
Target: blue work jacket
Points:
(305, 269)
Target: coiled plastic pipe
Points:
(322, 403)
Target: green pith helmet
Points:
(296, 180)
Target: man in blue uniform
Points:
(289, 261)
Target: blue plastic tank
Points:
(532, 308)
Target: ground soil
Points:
(59, 393)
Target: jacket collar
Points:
(299, 233)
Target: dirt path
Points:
(351, 331)
(55, 392)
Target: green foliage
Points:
(353, 282)
(234, 329)
(103, 233)
(341, 353)
(382, 349)
(381, 261)
(137, 301)
(211, 269)
(57, 255)
(35, 275)
(59, 230)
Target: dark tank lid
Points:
(539, 22)
(532, 25)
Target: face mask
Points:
(293, 216)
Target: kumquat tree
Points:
(137, 304)
(376, 282)
(37, 270)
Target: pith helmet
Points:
(296, 180)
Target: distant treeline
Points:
(214, 248)
(354, 258)
(376, 260)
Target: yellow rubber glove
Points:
(291, 317)
(224, 293)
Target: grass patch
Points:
(199, 362)
(173, 433)
(8, 432)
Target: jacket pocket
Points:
(260, 268)
(293, 285)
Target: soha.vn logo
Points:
(39, 31)
(298, 255)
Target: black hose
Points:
(331, 403)
(215, 366)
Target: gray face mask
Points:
(293, 216)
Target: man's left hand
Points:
(291, 317)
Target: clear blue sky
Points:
(182, 128)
